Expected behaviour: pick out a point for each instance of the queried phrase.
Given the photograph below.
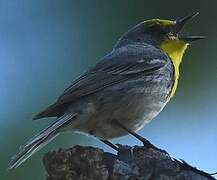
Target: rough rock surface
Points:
(131, 163)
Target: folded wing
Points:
(120, 65)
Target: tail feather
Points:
(40, 140)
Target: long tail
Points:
(40, 140)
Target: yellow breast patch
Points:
(175, 49)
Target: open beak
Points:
(180, 24)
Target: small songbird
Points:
(124, 91)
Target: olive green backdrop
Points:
(45, 44)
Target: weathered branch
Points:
(131, 163)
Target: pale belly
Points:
(133, 108)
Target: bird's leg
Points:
(145, 142)
(109, 144)
(142, 139)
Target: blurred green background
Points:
(44, 45)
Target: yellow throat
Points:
(175, 49)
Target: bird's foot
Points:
(125, 152)
(145, 142)
(148, 145)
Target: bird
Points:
(124, 91)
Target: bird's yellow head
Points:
(163, 34)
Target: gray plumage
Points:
(40, 140)
(131, 85)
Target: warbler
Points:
(124, 91)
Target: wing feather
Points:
(118, 66)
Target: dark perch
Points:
(137, 163)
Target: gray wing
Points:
(118, 66)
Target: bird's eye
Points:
(170, 35)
